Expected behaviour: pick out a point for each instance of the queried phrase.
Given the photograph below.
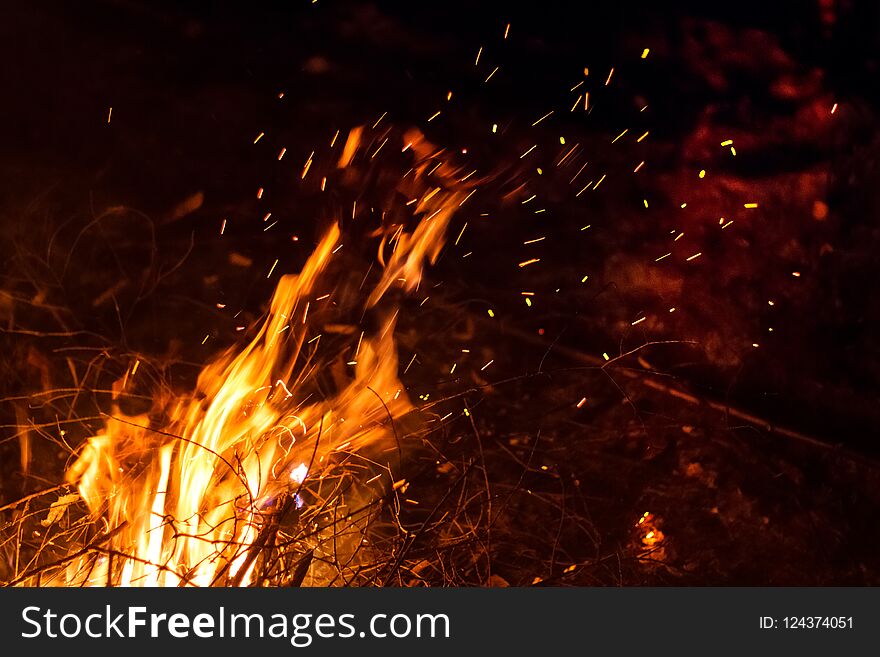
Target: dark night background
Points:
(191, 84)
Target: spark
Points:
(379, 120)
(581, 403)
(645, 53)
(507, 30)
(281, 154)
(578, 173)
(110, 114)
(750, 206)
(542, 118)
(610, 73)
(259, 137)
(489, 77)
(379, 149)
(223, 227)
(274, 264)
(358, 348)
(472, 192)
(307, 166)
(483, 368)
(479, 52)
(695, 256)
(640, 139)
(528, 151)
(570, 151)
(529, 262)
(620, 135)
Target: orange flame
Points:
(183, 501)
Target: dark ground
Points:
(111, 231)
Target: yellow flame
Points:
(183, 500)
